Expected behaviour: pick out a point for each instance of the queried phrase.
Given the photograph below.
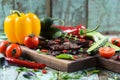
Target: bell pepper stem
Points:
(15, 12)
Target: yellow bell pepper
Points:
(18, 25)
(9, 27)
(36, 27)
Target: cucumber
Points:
(95, 35)
(94, 48)
(108, 44)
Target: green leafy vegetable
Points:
(89, 72)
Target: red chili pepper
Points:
(68, 29)
(78, 31)
(64, 27)
(24, 63)
(81, 31)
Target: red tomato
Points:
(31, 41)
(3, 46)
(115, 41)
(106, 52)
(13, 51)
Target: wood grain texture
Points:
(5, 6)
(59, 64)
(73, 12)
(9, 73)
(105, 13)
(36, 6)
(108, 64)
(71, 65)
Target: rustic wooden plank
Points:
(5, 7)
(8, 73)
(105, 13)
(73, 12)
(91, 77)
(103, 75)
(108, 75)
(21, 77)
(35, 6)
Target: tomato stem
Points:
(32, 35)
(115, 42)
(14, 51)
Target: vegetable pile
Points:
(66, 42)
(20, 28)
(94, 42)
(12, 53)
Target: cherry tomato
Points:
(44, 71)
(64, 51)
(13, 51)
(3, 46)
(31, 41)
(106, 52)
(115, 41)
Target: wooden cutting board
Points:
(59, 64)
(108, 64)
(71, 65)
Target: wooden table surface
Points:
(11, 73)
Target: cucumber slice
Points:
(108, 44)
(94, 48)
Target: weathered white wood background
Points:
(73, 12)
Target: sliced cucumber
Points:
(108, 44)
(94, 48)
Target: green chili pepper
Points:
(65, 56)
